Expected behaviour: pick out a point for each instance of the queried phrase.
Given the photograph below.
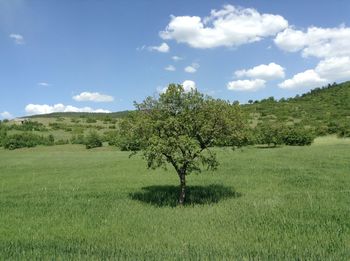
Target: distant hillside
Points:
(324, 108)
(119, 114)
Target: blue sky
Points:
(87, 55)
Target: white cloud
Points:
(189, 85)
(177, 58)
(329, 44)
(192, 68)
(170, 68)
(18, 39)
(6, 115)
(316, 41)
(32, 109)
(45, 84)
(230, 26)
(93, 96)
(334, 69)
(163, 48)
(246, 85)
(269, 71)
(306, 79)
(327, 71)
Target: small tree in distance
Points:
(179, 128)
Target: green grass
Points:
(66, 202)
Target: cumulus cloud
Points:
(331, 45)
(269, 71)
(246, 85)
(177, 58)
(163, 48)
(32, 109)
(188, 86)
(6, 115)
(230, 26)
(170, 68)
(334, 69)
(327, 71)
(316, 41)
(17, 38)
(306, 79)
(93, 96)
(192, 68)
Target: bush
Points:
(77, 139)
(26, 139)
(29, 126)
(344, 131)
(297, 136)
(74, 120)
(111, 137)
(93, 140)
(61, 142)
(270, 133)
(50, 140)
(91, 120)
(3, 135)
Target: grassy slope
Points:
(119, 114)
(68, 202)
(316, 108)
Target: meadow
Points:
(66, 202)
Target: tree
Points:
(179, 128)
(270, 133)
(93, 140)
(298, 136)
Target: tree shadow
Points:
(195, 195)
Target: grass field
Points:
(66, 202)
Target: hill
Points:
(101, 115)
(325, 109)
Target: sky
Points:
(101, 55)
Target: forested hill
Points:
(324, 108)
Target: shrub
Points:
(297, 136)
(74, 120)
(50, 140)
(26, 139)
(344, 131)
(93, 140)
(57, 126)
(3, 135)
(29, 126)
(111, 137)
(91, 120)
(270, 133)
(61, 142)
(77, 139)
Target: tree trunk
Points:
(182, 189)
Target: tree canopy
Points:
(180, 128)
